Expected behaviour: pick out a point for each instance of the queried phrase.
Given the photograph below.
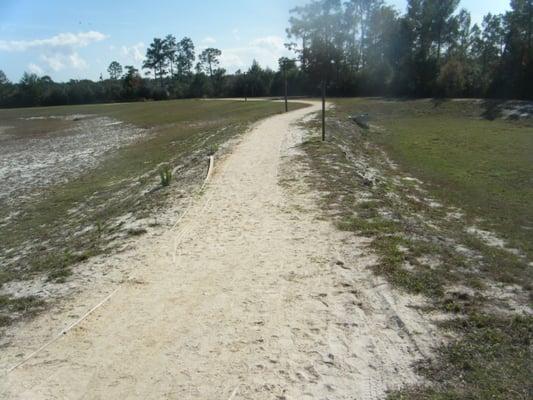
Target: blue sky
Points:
(78, 39)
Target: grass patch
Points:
(165, 173)
(12, 308)
(482, 165)
(492, 360)
(368, 227)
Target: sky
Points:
(68, 39)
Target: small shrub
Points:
(212, 149)
(165, 174)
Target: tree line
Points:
(365, 47)
(355, 47)
(171, 68)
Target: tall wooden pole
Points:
(323, 110)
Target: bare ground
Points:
(252, 296)
(30, 162)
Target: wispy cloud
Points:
(62, 40)
(55, 53)
(35, 69)
(265, 50)
(58, 61)
(134, 53)
(209, 40)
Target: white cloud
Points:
(265, 50)
(236, 34)
(57, 52)
(35, 69)
(62, 40)
(54, 62)
(58, 61)
(274, 43)
(134, 53)
(209, 40)
(76, 61)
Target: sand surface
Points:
(252, 296)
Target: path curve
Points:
(245, 301)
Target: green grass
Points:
(456, 153)
(182, 132)
(483, 166)
(491, 361)
(165, 173)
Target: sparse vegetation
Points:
(468, 158)
(12, 308)
(419, 228)
(165, 173)
(212, 149)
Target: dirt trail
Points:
(252, 297)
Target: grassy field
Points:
(414, 183)
(69, 222)
(483, 165)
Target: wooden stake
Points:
(323, 110)
(286, 94)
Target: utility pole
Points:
(323, 109)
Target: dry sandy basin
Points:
(35, 161)
(250, 295)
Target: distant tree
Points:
(114, 70)
(255, 80)
(452, 78)
(442, 22)
(3, 78)
(218, 81)
(381, 51)
(358, 18)
(156, 59)
(31, 89)
(462, 36)
(4, 83)
(517, 60)
(185, 57)
(487, 49)
(201, 85)
(170, 48)
(131, 82)
(317, 24)
(209, 59)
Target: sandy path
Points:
(245, 300)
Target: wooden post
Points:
(323, 110)
(286, 94)
(245, 88)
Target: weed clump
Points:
(212, 149)
(165, 173)
(12, 308)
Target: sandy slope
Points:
(247, 299)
